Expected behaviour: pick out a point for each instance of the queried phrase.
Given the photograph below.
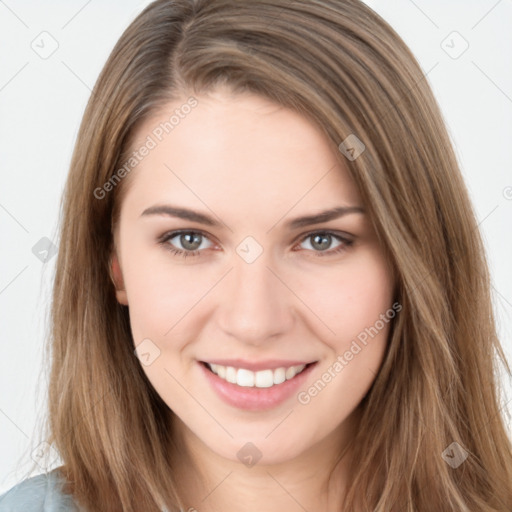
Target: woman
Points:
(271, 293)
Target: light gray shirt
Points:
(41, 493)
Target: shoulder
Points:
(41, 493)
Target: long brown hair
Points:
(339, 64)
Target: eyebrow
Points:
(298, 222)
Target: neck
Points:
(313, 480)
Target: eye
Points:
(191, 241)
(322, 240)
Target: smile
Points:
(260, 379)
(267, 385)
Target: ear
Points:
(117, 278)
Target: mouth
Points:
(264, 378)
(269, 386)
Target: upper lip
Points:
(269, 364)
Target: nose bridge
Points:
(256, 304)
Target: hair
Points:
(340, 65)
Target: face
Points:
(219, 273)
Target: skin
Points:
(253, 165)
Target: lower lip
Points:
(253, 398)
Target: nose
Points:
(255, 304)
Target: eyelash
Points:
(164, 239)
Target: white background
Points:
(42, 101)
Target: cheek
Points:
(356, 303)
(163, 300)
(357, 306)
(352, 298)
(160, 292)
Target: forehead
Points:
(244, 148)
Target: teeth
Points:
(263, 379)
(260, 379)
(231, 374)
(279, 375)
(290, 373)
(245, 378)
